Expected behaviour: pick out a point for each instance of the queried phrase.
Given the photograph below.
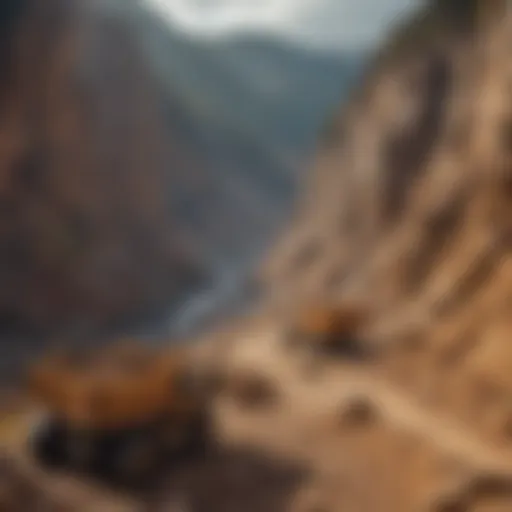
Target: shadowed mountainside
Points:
(251, 109)
(247, 112)
(86, 235)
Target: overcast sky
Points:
(332, 23)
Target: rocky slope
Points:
(407, 210)
(86, 237)
(318, 435)
(408, 205)
(409, 190)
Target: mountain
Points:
(326, 25)
(250, 109)
(372, 170)
(86, 238)
(255, 103)
(192, 149)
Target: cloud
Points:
(334, 23)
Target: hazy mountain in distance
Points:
(249, 108)
(323, 24)
(259, 86)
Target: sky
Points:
(329, 23)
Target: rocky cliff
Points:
(417, 162)
(407, 209)
(86, 233)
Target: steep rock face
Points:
(389, 159)
(86, 234)
(409, 209)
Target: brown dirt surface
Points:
(349, 440)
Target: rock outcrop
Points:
(410, 185)
(408, 209)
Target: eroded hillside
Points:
(86, 235)
(408, 203)
(407, 209)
